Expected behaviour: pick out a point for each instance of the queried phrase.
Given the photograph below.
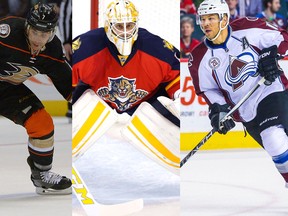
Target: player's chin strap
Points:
(219, 32)
(228, 115)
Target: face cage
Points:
(123, 35)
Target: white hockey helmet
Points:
(219, 7)
(121, 25)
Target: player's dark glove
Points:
(268, 66)
(216, 114)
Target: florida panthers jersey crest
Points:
(122, 92)
(124, 81)
(225, 73)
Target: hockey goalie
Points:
(125, 72)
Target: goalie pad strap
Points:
(166, 113)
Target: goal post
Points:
(94, 14)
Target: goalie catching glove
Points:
(268, 66)
(216, 113)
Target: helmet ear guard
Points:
(121, 12)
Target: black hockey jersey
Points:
(18, 64)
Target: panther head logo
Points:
(122, 92)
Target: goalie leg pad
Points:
(155, 136)
(92, 117)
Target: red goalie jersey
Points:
(125, 81)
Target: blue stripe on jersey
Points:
(155, 46)
(280, 159)
(92, 42)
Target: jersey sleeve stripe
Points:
(177, 79)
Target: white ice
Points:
(232, 183)
(213, 183)
(116, 172)
(17, 193)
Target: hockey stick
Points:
(228, 115)
(93, 208)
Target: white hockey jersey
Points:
(225, 73)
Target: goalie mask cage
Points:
(160, 17)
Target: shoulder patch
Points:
(76, 44)
(4, 30)
(168, 45)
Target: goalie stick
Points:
(228, 115)
(93, 208)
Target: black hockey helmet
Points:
(42, 17)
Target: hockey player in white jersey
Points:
(229, 62)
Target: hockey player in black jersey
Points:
(29, 47)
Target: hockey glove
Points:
(216, 114)
(268, 64)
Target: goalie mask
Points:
(219, 7)
(121, 25)
(42, 17)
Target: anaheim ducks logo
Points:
(76, 44)
(122, 92)
(16, 73)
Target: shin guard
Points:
(40, 129)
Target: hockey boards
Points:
(92, 117)
(93, 208)
(155, 136)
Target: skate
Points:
(47, 182)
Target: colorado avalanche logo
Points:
(239, 70)
(122, 92)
